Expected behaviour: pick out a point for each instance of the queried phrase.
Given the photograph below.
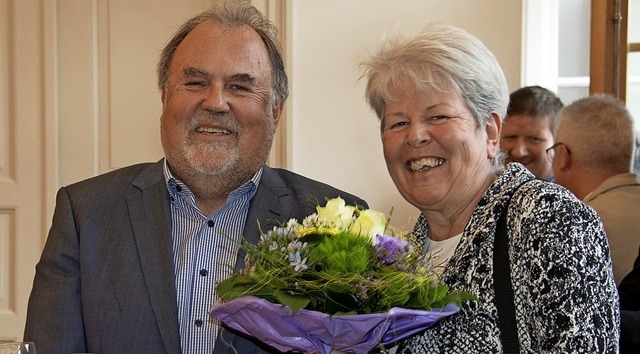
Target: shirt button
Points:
(198, 323)
(210, 223)
(178, 188)
(204, 272)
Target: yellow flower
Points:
(369, 223)
(304, 231)
(337, 212)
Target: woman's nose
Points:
(417, 135)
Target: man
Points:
(133, 256)
(593, 159)
(527, 130)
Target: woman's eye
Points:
(397, 124)
(440, 117)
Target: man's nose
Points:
(215, 99)
(520, 148)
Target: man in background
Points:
(527, 130)
(593, 158)
(133, 256)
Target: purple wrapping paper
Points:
(316, 332)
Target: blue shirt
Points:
(205, 248)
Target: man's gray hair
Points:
(232, 14)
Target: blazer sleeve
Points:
(570, 300)
(54, 315)
(106, 270)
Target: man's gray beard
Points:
(202, 162)
(227, 167)
(220, 161)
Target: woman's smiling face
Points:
(435, 152)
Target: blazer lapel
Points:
(269, 207)
(150, 219)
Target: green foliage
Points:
(324, 266)
(342, 254)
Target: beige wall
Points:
(334, 136)
(116, 112)
(78, 97)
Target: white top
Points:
(442, 251)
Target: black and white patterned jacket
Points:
(564, 293)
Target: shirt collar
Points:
(613, 182)
(177, 187)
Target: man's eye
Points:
(238, 88)
(439, 117)
(196, 83)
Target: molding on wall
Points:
(23, 183)
(8, 264)
(7, 113)
(51, 143)
(540, 35)
(276, 11)
(103, 98)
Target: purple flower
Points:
(391, 249)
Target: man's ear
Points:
(493, 128)
(563, 157)
(276, 111)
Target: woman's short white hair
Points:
(440, 58)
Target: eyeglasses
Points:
(551, 151)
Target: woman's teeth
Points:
(425, 162)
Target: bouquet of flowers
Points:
(334, 281)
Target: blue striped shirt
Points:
(205, 249)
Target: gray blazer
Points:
(105, 280)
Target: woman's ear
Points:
(492, 129)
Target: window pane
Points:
(573, 51)
(633, 72)
(570, 94)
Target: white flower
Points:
(296, 262)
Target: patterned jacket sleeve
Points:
(566, 291)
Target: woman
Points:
(440, 97)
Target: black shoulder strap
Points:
(503, 288)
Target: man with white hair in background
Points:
(593, 157)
